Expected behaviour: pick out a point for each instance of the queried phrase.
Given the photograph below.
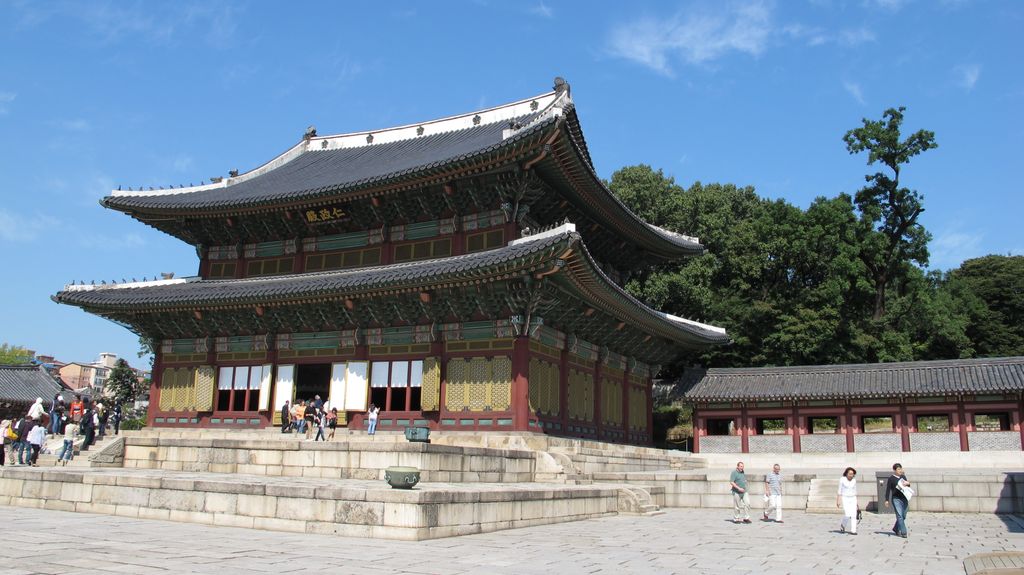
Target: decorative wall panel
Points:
(479, 384)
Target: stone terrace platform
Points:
(350, 507)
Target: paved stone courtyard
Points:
(680, 541)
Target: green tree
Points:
(889, 235)
(123, 383)
(14, 355)
(988, 294)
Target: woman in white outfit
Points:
(846, 500)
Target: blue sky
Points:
(105, 93)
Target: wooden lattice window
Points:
(342, 260)
(485, 241)
(269, 267)
(423, 250)
(222, 270)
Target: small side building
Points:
(954, 405)
(20, 385)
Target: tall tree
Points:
(123, 384)
(14, 355)
(890, 237)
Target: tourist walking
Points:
(23, 446)
(77, 407)
(5, 429)
(67, 451)
(102, 416)
(56, 408)
(87, 427)
(898, 493)
(36, 438)
(299, 416)
(371, 416)
(773, 494)
(286, 416)
(309, 417)
(740, 497)
(846, 499)
(321, 425)
(332, 422)
(36, 411)
(118, 414)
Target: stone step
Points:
(343, 507)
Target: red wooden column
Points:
(698, 428)
(961, 416)
(849, 429)
(625, 405)
(521, 383)
(598, 375)
(744, 430)
(795, 430)
(649, 396)
(904, 425)
(1021, 414)
(154, 384)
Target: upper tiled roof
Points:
(903, 379)
(327, 167)
(26, 383)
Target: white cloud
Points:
(25, 228)
(890, 5)
(182, 163)
(854, 89)
(855, 37)
(111, 243)
(543, 10)
(5, 99)
(950, 248)
(696, 38)
(968, 75)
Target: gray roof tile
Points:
(26, 383)
(903, 379)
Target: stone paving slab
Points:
(681, 541)
(1002, 563)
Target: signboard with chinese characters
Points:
(324, 214)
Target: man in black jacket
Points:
(23, 446)
(286, 416)
(895, 495)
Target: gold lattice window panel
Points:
(637, 408)
(611, 401)
(581, 395)
(544, 396)
(178, 387)
(430, 393)
(455, 390)
(479, 384)
(205, 389)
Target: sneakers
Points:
(903, 535)
(764, 516)
(842, 528)
(746, 521)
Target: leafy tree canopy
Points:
(14, 355)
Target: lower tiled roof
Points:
(903, 379)
(26, 383)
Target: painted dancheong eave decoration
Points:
(463, 273)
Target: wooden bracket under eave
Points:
(425, 296)
(349, 304)
(259, 311)
(197, 314)
(588, 312)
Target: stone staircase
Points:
(55, 443)
(822, 495)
